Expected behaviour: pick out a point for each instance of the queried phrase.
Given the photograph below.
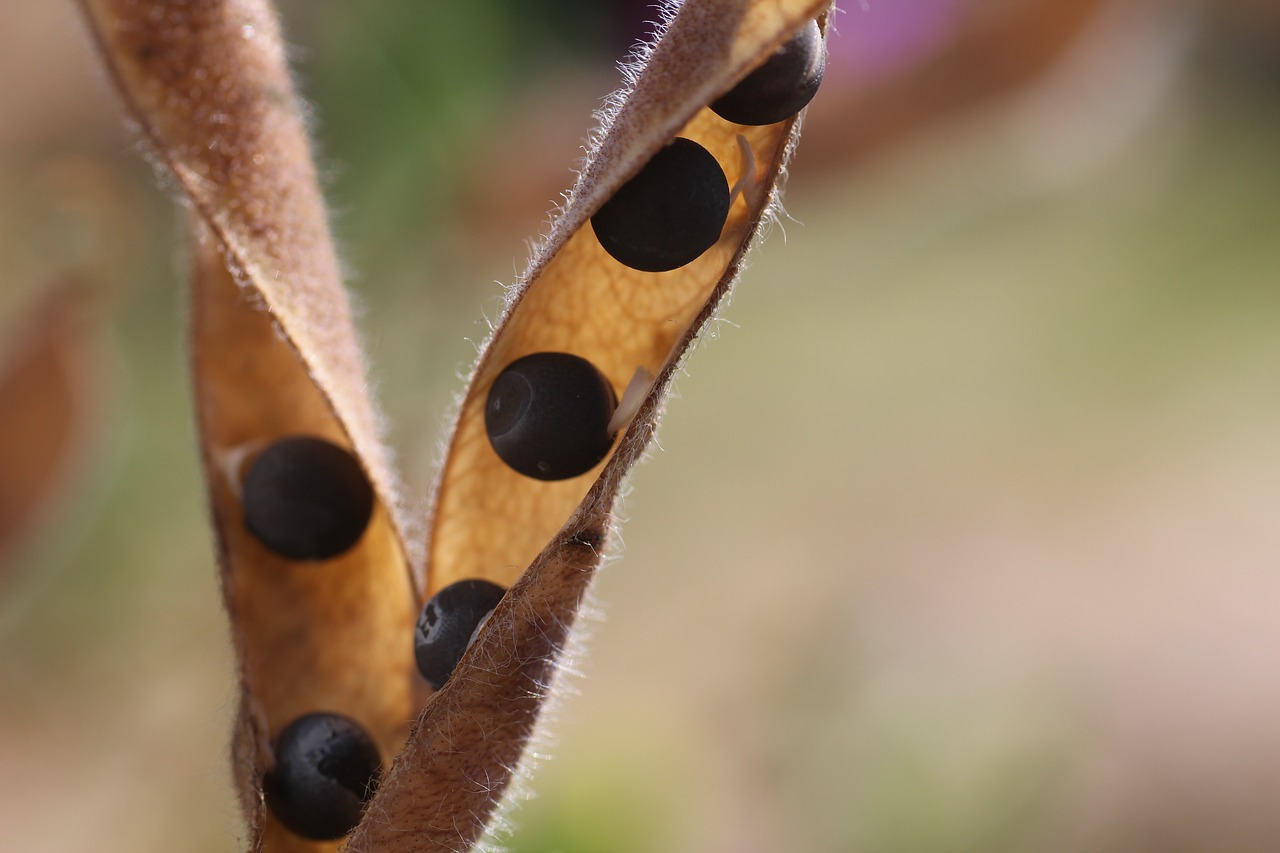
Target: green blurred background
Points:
(964, 533)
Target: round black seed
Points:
(782, 86)
(307, 499)
(448, 622)
(670, 213)
(548, 414)
(326, 769)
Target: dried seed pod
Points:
(307, 499)
(448, 623)
(671, 212)
(444, 790)
(548, 413)
(327, 768)
(782, 86)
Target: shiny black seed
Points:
(670, 213)
(326, 769)
(782, 86)
(448, 622)
(307, 499)
(548, 414)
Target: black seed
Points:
(307, 499)
(782, 86)
(326, 769)
(448, 622)
(548, 414)
(670, 213)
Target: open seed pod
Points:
(275, 356)
(633, 325)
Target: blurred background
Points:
(964, 533)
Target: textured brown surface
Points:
(444, 789)
(208, 84)
(275, 354)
